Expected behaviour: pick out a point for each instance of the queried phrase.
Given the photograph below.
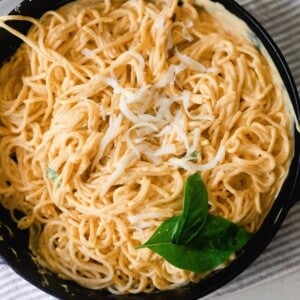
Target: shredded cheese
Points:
(133, 103)
(110, 134)
(170, 75)
(121, 166)
(193, 167)
(193, 64)
(87, 52)
(133, 144)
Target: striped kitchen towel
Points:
(282, 256)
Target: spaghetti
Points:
(105, 110)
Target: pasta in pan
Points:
(105, 110)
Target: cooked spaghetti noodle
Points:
(105, 110)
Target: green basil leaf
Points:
(196, 240)
(183, 256)
(190, 258)
(195, 210)
(222, 234)
(163, 233)
(217, 241)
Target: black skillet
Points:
(14, 250)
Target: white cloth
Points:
(282, 256)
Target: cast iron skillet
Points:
(14, 247)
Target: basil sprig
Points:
(197, 240)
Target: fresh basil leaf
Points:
(190, 258)
(196, 240)
(183, 256)
(195, 210)
(212, 247)
(222, 234)
(163, 234)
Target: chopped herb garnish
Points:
(197, 240)
(53, 176)
(193, 156)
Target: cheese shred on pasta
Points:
(107, 107)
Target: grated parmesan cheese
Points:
(193, 167)
(162, 123)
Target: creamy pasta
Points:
(107, 107)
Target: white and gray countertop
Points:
(276, 273)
